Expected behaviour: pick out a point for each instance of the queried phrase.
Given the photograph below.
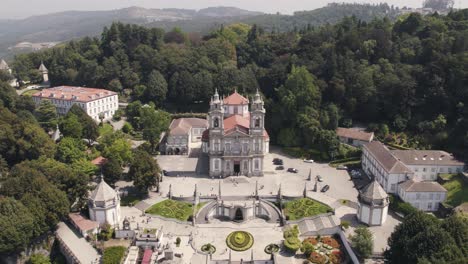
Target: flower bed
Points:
(323, 250)
(239, 240)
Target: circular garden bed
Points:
(208, 248)
(239, 240)
(272, 248)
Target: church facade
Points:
(236, 140)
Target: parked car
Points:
(278, 162)
(293, 170)
(342, 167)
(165, 172)
(280, 168)
(319, 178)
(308, 160)
(325, 188)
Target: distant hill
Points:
(68, 25)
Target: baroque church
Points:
(236, 140)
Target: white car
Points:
(308, 160)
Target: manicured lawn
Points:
(304, 207)
(172, 209)
(457, 191)
(113, 255)
(447, 176)
(30, 92)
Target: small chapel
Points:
(104, 204)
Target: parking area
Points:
(341, 185)
(195, 168)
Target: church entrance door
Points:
(239, 216)
(237, 168)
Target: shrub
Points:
(291, 239)
(363, 241)
(239, 240)
(345, 224)
(397, 205)
(113, 255)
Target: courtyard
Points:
(186, 172)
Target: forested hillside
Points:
(406, 76)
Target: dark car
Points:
(280, 168)
(278, 162)
(293, 170)
(325, 188)
(165, 173)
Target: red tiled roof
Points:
(235, 99)
(354, 134)
(82, 223)
(99, 161)
(147, 256)
(72, 93)
(233, 122)
(182, 126)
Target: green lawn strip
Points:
(304, 207)
(199, 206)
(30, 92)
(113, 255)
(172, 209)
(447, 176)
(457, 191)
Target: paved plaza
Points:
(187, 171)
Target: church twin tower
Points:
(237, 140)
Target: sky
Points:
(12, 9)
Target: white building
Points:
(4, 66)
(353, 136)
(426, 195)
(410, 173)
(183, 132)
(378, 161)
(236, 140)
(427, 164)
(104, 205)
(95, 102)
(373, 204)
(44, 72)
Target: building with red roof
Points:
(236, 140)
(97, 103)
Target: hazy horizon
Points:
(15, 9)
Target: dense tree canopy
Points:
(408, 75)
(423, 238)
(144, 171)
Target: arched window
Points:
(216, 122)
